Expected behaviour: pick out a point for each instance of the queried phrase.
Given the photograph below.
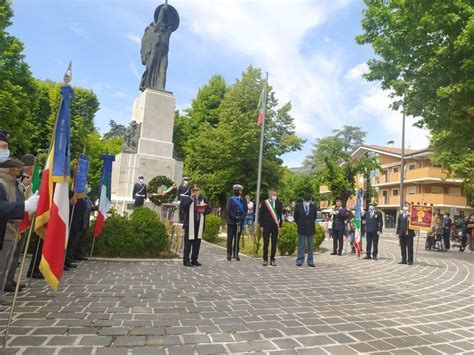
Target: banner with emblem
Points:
(421, 217)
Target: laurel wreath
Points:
(156, 187)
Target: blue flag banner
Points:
(62, 161)
(358, 209)
(82, 170)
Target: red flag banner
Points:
(421, 218)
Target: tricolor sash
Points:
(272, 212)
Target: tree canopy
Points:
(425, 57)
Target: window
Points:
(456, 191)
(412, 167)
(437, 190)
(411, 190)
(395, 170)
(395, 192)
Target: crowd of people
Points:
(17, 205)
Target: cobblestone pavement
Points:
(343, 306)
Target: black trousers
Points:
(79, 252)
(36, 258)
(446, 235)
(139, 201)
(337, 241)
(267, 234)
(463, 241)
(72, 245)
(372, 240)
(406, 245)
(191, 246)
(233, 239)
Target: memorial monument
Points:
(148, 145)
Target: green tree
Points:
(17, 87)
(116, 130)
(323, 148)
(425, 56)
(217, 157)
(294, 186)
(352, 137)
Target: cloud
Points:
(134, 38)
(78, 29)
(120, 94)
(356, 72)
(135, 71)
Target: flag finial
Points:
(68, 74)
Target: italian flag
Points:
(105, 192)
(262, 105)
(35, 182)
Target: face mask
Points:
(237, 193)
(371, 209)
(273, 198)
(88, 189)
(4, 155)
(141, 181)
(307, 203)
(405, 208)
(185, 183)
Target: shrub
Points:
(319, 236)
(213, 224)
(288, 238)
(141, 234)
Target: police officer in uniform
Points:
(405, 235)
(139, 192)
(373, 227)
(183, 191)
(236, 212)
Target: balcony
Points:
(420, 174)
(435, 199)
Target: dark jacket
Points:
(447, 224)
(185, 203)
(76, 213)
(265, 219)
(10, 210)
(183, 190)
(89, 208)
(373, 223)
(402, 225)
(139, 189)
(234, 213)
(306, 222)
(339, 220)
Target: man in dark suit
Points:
(373, 225)
(305, 218)
(195, 210)
(236, 212)
(405, 235)
(270, 221)
(339, 217)
(183, 190)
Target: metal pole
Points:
(93, 243)
(34, 260)
(402, 167)
(417, 241)
(260, 158)
(17, 288)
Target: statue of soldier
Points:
(130, 143)
(155, 46)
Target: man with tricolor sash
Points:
(236, 212)
(270, 221)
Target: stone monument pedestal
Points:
(153, 111)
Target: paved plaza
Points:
(343, 306)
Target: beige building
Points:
(424, 183)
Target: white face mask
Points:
(88, 189)
(273, 198)
(405, 208)
(141, 181)
(371, 209)
(4, 155)
(307, 203)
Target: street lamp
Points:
(402, 167)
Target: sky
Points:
(306, 46)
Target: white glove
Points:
(32, 203)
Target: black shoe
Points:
(38, 275)
(70, 265)
(229, 257)
(299, 264)
(188, 264)
(196, 263)
(265, 263)
(66, 268)
(273, 263)
(81, 258)
(237, 258)
(340, 254)
(375, 258)
(10, 288)
(311, 265)
(366, 257)
(402, 262)
(14, 284)
(410, 263)
(333, 254)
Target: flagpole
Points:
(260, 159)
(17, 287)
